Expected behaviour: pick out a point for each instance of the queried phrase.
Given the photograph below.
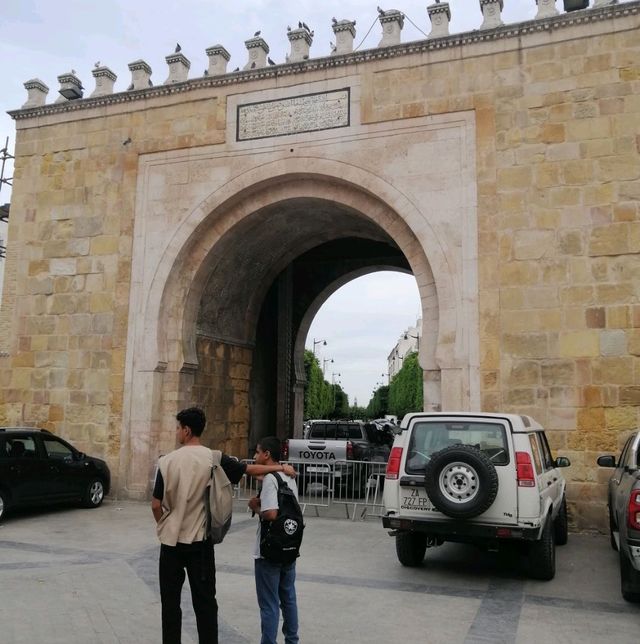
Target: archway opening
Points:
(358, 334)
(267, 278)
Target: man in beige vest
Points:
(179, 510)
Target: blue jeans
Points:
(275, 587)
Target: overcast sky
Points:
(45, 38)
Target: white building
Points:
(409, 342)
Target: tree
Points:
(341, 403)
(379, 404)
(405, 390)
(321, 399)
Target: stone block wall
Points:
(66, 302)
(221, 388)
(559, 240)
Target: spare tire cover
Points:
(461, 481)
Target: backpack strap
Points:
(216, 459)
(281, 482)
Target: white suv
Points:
(481, 478)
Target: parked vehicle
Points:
(624, 513)
(332, 450)
(486, 479)
(37, 467)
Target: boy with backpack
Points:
(178, 506)
(277, 547)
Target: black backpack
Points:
(280, 539)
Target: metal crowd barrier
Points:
(354, 485)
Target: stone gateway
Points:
(170, 244)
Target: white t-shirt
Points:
(269, 500)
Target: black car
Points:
(38, 468)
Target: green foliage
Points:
(322, 399)
(341, 405)
(357, 412)
(379, 404)
(405, 390)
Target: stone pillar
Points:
(345, 31)
(440, 16)
(258, 50)
(546, 8)
(491, 10)
(284, 416)
(300, 40)
(105, 80)
(604, 3)
(218, 59)
(36, 93)
(392, 22)
(140, 75)
(70, 87)
(179, 66)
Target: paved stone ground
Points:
(72, 576)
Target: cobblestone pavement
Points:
(90, 576)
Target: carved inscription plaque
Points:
(308, 113)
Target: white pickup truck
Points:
(338, 454)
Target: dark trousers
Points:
(199, 562)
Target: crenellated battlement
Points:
(300, 60)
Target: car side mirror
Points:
(606, 461)
(78, 456)
(562, 461)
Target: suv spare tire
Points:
(461, 481)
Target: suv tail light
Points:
(393, 465)
(349, 451)
(634, 510)
(524, 470)
(285, 450)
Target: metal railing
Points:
(355, 486)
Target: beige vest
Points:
(186, 473)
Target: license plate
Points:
(416, 500)
(318, 469)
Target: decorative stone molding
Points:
(70, 87)
(140, 75)
(36, 93)
(440, 16)
(392, 22)
(105, 80)
(300, 40)
(345, 31)
(604, 3)
(258, 50)
(179, 66)
(546, 9)
(491, 11)
(218, 59)
(512, 32)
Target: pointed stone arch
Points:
(162, 357)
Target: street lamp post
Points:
(324, 344)
(324, 364)
(415, 337)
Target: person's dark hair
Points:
(193, 418)
(272, 445)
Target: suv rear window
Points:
(430, 437)
(333, 431)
